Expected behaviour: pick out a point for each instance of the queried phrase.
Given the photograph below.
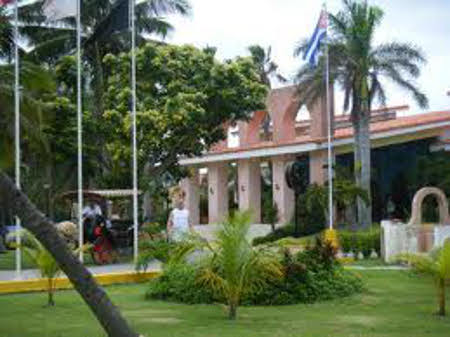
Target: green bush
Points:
(277, 234)
(309, 276)
(360, 241)
(178, 283)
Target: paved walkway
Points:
(10, 275)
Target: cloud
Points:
(233, 25)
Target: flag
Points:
(312, 53)
(59, 9)
(5, 2)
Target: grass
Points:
(396, 304)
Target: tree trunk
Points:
(50, 291)
(441, 295)
(95, 297)
(362, 165)
(232, 311)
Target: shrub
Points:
(178, 283)
(277, 234)
(309, 276)
(360, 241)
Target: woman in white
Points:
(179, 224)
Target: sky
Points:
(233, 25)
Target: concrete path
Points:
(10, 275)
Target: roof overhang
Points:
(382, 138)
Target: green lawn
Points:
(8, 261)
(396, 303)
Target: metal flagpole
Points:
(80, 134)
(17, 129)
(134, 136)
(330, 155)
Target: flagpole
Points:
(134, 136)
(80, 135)
(17, 131)
(330, 155)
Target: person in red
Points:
(103, 251)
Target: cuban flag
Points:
(313, 51)
(5, 2)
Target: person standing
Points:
(178, 224)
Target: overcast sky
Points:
(232, 25)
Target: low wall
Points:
(399, 238)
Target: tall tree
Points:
(267, 68)
(361, 68)
(185, 96)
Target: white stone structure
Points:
(414, 237)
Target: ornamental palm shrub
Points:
(43, 260)
(235, 268)
(437, 265)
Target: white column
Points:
(283, 196)
(249, 178)
(217, 192)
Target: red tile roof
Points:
(376, 127)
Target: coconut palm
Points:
(266, 66)
(105, 30)
(361, 68)
(36, 83)
(42, 260)
(235, 268)
(437, 265)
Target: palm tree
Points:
(361, 68)
(267, 69)
(105, 30)
(43, 260)
(437, 265)
(235, 268)
(266, 66)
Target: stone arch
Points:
(283, 107)
(416, 212)
(249, 132)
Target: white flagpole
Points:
(80, 134)
(330, 154)
(17, 130)
(134, 136)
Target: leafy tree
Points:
(185, 96)
(360, 68)
(235, 267)
(437, 265)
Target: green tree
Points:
(360, 67)
(105, 30)
(437, 265)
(235, 267)
(185, 96)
